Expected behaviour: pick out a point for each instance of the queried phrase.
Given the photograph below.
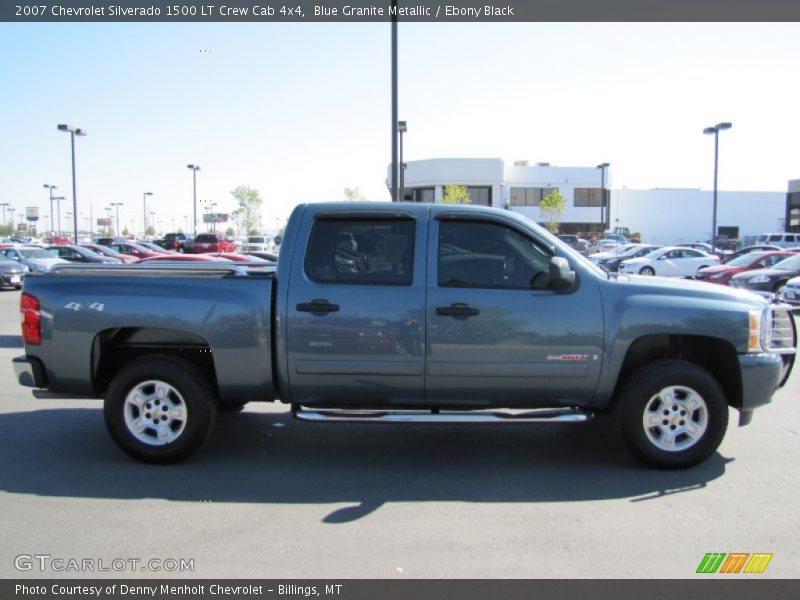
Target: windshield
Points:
(788, 264)
(745, 260)
(35, 253)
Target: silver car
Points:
(38, 260)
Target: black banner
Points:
(233, 11)
(366, 589)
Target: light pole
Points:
(12, 210)
(50, 189)
(603, 167)
(58, 200)
(394, 101)
(401, 129)
(117, 205)
(4, 204)
(715, 132)
(144, 211)
(195, 169)
(73, 131)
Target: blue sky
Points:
(301, 110)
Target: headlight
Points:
(759, 279)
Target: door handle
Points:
(458, 309)
(318, 306)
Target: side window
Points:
(490, 255)
(375, 252)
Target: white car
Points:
(791, 291)
(617, 251)
(258, 243)
(671, 261)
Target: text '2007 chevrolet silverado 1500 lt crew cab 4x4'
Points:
(405, 313)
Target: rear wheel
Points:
(673, 414)
(159, 409)
(647, 271)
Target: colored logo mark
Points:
(735, 562)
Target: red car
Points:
(174, 257)
(755, 260)
(134, 250)
(213, 242)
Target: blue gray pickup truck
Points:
(405, 313)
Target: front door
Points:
(497, 333)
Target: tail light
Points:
(31, 319)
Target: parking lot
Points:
(275, 498)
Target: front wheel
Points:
(650, 271)
(159, 409)
(673, 414)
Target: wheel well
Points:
(717, 356)
(114, 348)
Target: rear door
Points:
(497, 334)
(356, 308)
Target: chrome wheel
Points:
(647, 271)
(155, 413)
(675, 418)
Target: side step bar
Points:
(540, 415)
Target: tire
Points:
(181, 403)
(649, 271)
(696, 419)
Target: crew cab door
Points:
(497, 333)
(355, 310)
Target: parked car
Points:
(79, 254)
(258, 243)
(135, 250)
(747, 262)
(152, 247)
(455, 315)
(671, 261)
(611, 263)
(110, 252)
(576, 243)
(38, 260)
(791, 291)
(177, 257)
(174, 241)
(213, 242)
(784, 240)
(12, 273)
(769, 282)
(754, 248)
(610, 242)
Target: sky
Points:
(299, 111)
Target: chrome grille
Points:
(780, 336)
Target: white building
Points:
(660, 215)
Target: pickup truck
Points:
(405, 313)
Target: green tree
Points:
(456, 194)
(248, 214)
(229, 231)
(552, 207)
(354, 194)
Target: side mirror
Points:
(662, 257)
(561, 276)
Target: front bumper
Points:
(762, 375)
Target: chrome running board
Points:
(539, 415)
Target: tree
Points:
(248, 215)
(229, 231)
(354, 194)
(551, 207)
(456, 194)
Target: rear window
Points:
(205, 238)
(256, 240)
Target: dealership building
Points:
(662, 216)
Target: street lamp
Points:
(73, 131)
(12, 210)
(715, 132)
(195, 169)
(58, 200)
(50, 189)
(4, 204)
(603, 167)
(117, 205)
(401, 129)
(144, 211)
